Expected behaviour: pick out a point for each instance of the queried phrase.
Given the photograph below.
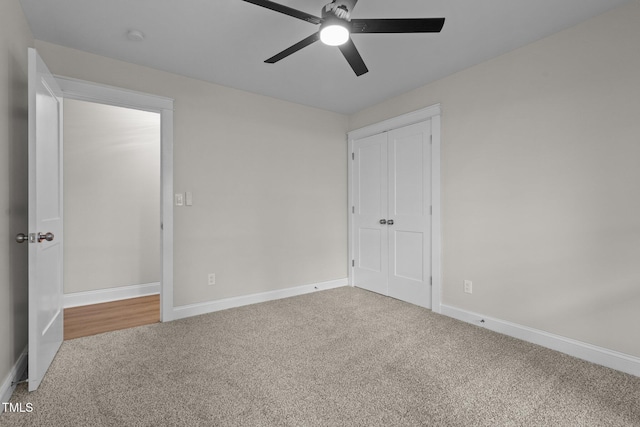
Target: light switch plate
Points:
(188, 198)
(179, 199)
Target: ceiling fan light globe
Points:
(334, 35)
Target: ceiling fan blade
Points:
(394, 25)
(287, 10)
(353, 57)
(293, 49)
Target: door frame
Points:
(432, 113)
(93, 92)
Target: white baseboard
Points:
(7, 387)
(209, 307)
(591, 353)
(112, 294)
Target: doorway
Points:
(111, 217)
(152, 257)
(45, 214)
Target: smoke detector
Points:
(135, 35)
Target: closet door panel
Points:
(409, 160)
(371, 240)
(407, 179)
(371, 251)
(408, 255)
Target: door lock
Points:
(383, 221)
(390, 222)
(21, 238)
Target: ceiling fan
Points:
(336, 27)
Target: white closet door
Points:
(409, 166)
(392, 213)
(370, 197)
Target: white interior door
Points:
(391, 225)
(409, 209)
(45, 219)
(371, 255)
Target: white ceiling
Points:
(226, 41)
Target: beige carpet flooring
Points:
(343, 357)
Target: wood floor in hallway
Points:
(110, 316)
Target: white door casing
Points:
(45, 216)
(102, 94)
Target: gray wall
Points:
(15, 38)
(111, 196)
(541, 181)
(268, 179)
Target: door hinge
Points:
(431, 280)
(430, 139)
(353, 263)
(353, 156)
(430, 210)
(353, 209)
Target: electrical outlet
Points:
(468, 286)
(212, 279)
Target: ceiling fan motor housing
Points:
(340, 8)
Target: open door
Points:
(45, 219)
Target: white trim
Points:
(184, 311)
(166, 212)
(103, 94)
(436, 217)
(112, 294)
(350, 207)
(591, 353)
(8, 385)
(94, 92)
(432, 113)
(396, 122)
